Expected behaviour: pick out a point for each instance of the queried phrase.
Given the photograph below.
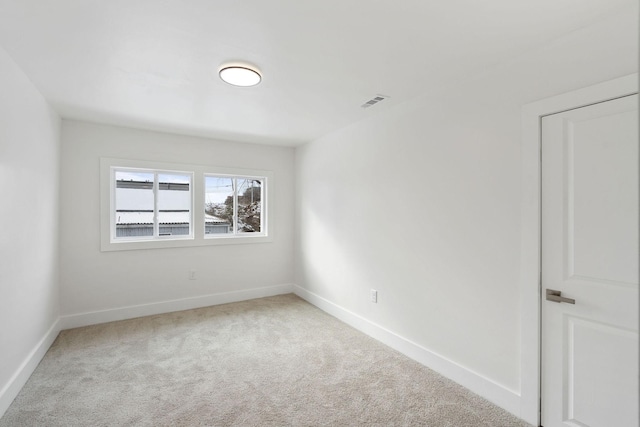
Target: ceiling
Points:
(153, 63)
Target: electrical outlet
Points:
(192, 275)
(374, 296)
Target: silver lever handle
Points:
(555, 296)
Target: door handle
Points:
(556, 296)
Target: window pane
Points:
(174, 204)
(134, 204)
(218, 208)
(249, 205)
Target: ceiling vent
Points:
(374, 101)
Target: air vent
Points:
(374, 101)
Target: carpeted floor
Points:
(275, 361)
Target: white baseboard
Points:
(488, 389)
(130, 312)
(24, 371)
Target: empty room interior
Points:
(399, 213)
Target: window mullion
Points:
(156, 186)
(235, 205)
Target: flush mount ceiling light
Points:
(240, 75)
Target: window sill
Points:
(128, 245)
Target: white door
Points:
(590, 254)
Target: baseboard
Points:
(488, 389)
(22, 374)
(130, 312)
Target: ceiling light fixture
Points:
(240, 75)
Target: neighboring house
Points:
(134, 210)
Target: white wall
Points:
(29, 161)
(93, 281)
(422, 203)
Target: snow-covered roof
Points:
(123, 218)
(210, 218)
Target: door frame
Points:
(530, 268)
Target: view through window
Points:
(147, 205)
(233, 205)
(150, 204)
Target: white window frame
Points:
(156, 225)
(197, 238)
(263, 222)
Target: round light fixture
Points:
(239, 75)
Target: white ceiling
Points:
(153, 63)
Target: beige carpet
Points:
(275, 361)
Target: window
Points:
(148, 205)
(233, 205)
(152, 204)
